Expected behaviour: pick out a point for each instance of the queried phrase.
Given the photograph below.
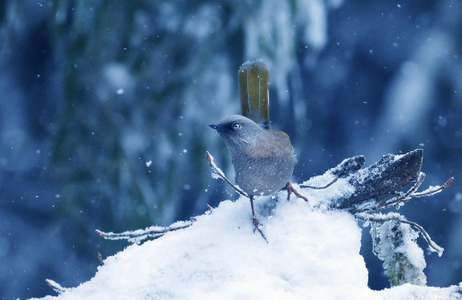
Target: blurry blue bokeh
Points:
(105, 104)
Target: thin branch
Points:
(378, 218)
(140, 234)
(431, 244)
(305, 186)
(344, 169)
(222, 175)
(403, 197)
(56, 286)
(433, 190)
(412, 192)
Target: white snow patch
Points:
(311, 254)
(323, 197)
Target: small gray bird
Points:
(263, 159)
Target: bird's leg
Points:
(290, 189)
(256, 223)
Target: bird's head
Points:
(239, 132)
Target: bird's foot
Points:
(290, 189)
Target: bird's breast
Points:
(263, 175)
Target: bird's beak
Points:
(217, 127)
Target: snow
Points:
(311, 254)
(324, 197)
(408, 291)
(403, 259)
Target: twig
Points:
(434, 190)
(56, 286)
(222, 175)
(319, 187)
(412, 192)
(99, 257)
(140, 234)
(431, 244)
(393, 216)
(403, 197)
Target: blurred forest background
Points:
(92, 91)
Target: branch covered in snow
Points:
(218, 173)
(394, 242)
(373, 186)
(392, 234)
(56, 286)
(412, 193)
(382, 179)
(345, 168)
(136, 236)
(380, 218)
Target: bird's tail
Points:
(254, 92)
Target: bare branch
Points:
(431, 244)
(218, 172)
(140, 234)
(305, 186)
(412, 192)
(433, 190)
(403, 197)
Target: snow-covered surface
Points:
(311, 254)
(323, 198)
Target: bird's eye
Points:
(236, 126)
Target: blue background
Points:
(93, 90)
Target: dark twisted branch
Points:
(374, 185)
(382, 179)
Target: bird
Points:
(263, 159)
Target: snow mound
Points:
(311, 254)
